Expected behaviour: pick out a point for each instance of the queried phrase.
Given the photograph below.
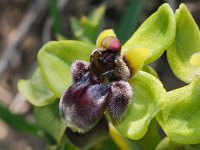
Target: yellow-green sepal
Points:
(156, 33)
(135, 59)
(147, 100)
(180, 116)
(35, 90)
(187, 42)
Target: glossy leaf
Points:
(48, 118)
(148, 93)
(187, 42)
(36, 90)
(156, 33)
(55, 59)
(180, 116)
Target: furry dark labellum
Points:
(98, 85)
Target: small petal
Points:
(135, 58)
(121, 93)
(83, 104)
(78, 68)
(102, 35)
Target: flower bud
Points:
(111, 43)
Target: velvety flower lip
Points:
(98, 85)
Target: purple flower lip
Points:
(98, 85)
(83, 104)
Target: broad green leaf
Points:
(148, 93)
(187, 42)
(88, 28)
(156, 33)
(167, 144)
(180, 116)
(150, 70)
(36, 90)
(18, 122)
(48, 118)
(55, 59)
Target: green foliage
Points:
(180, 115)
(185, 45)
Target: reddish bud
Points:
(111, 43)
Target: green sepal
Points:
(36, 90)
(148, 93)
(55, 59)
(156, 33)
(187, 42)
(180, 116)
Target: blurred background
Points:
(26, 25)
